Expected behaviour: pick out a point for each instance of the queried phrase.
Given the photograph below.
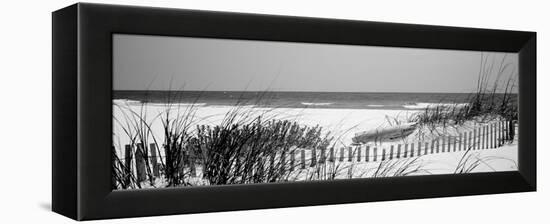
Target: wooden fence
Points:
(488, 136)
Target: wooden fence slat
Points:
(383, 154)
(331, 156)
(443, 143)
(128, 163)
(140, 163)
(474, 139)
(358, 149)
(323, 158)
(350, 154)
(486, 136)
(499, 133)
(510, 130)
(303, 158)
(490, 136)
(367, 153)
(341, 154)
(154, 162)
(482, 137)
(375, 154)
(503, 131)
(470, 140)
(513, 130)
(292, 159)
(449, 143)
(466, 141)
(405, 150)
(313, 157)
(412, 150)
(432, 147)
(493, 136)
(437, 145)
(419, 149)
(391, 152)
(459, 141)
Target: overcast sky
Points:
(182, 63)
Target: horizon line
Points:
(267, 91)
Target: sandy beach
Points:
(341, 123)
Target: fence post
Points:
(367, 153)
(432, 147)
(499, 133)
(466, 141)
(419, 149)
(303, 158)
(127, 163)
(342, 154)
(443, 143)
(383, 154)
(375, 154)
(292, 159)
(509, 130)
(350, 154)
(488, 137)
(331, 155)
(474, 143)
(406, 150)
(313, 157)
(412, 150)
(505, 129)
(491, 144)
(358, 149)
(482, 137)
(488, 133)
(513, 130)
(153, 149)
(471, 140)
(391, 152)
(398, 151)
(437, 145)
(323, 155)
(140, 163)
(494, 137)
(459, 141)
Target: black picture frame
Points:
(82, 110)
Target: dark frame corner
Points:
(82, 84)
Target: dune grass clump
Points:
(487, 103)
(253, 151)
(249, 146)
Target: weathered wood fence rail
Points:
(492, 135)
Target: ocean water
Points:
(349, 100)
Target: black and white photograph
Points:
(275, 112)
(190, 111)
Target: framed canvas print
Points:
(167, 111)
